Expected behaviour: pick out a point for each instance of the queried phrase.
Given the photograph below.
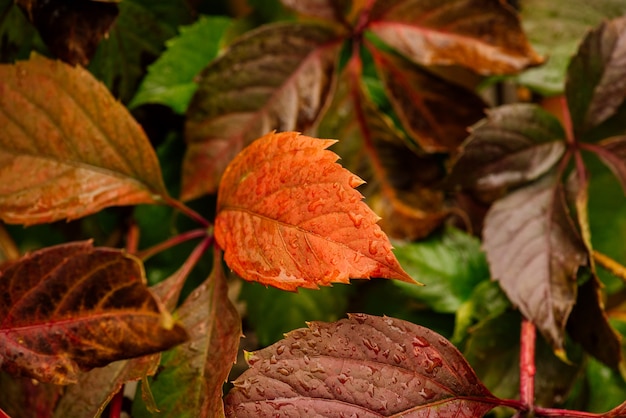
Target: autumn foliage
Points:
(157, 238)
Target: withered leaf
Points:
(289, 216)
(276, 77)
(73, 307)
(436, 113)
(534, 251)
(365, 365)
(596, 77)
(515, 144)
(71, 29)
(67, 147)
(482, 35)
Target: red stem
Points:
(567, 122)
(527, 364)
(549, 412)
(3, 414)
(132, 238)
(178, 239)
(115, 406)
(180, 206)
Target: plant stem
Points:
(610, 265)
(180, 206)
(549, 412)
(132, 238)
(3, 414)
(567, 122)
(115, 407)
(178, 239)
(8, 248)
(527, 364)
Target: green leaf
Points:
(449, 263)
(272, 312)
(606, 387)
(17, 36)
(596, 76)
(170, 79)
(555, 29)
(136, 39)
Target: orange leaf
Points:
(288, 216)
(67, 147)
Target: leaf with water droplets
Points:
(289, 216)
(366, 365)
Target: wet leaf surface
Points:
(276, 77)
(74, 307)
(289, 216)
(534, 251)
(514, 145)
(597, 76)
(366, 365)
(67, 147)
(482, 35)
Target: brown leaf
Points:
(483, 35)
(334, 10)
(436, 113)
(288, 216)
(365, 365)
(67, 148)
(612, 152)
(534, 251)
(73, 307)
(276, 77)
(71, 29)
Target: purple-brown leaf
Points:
(534, 251)
(612, 152)
(483, 35)
(276, 77)
(74, 307)
(365, 365)
(333, 10)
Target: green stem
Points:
(178, 239)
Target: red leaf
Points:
(365, 365)
(74, 307)
(289, 216)
(534, 251)
(483, 35)
(67, 147)
(276, 77)
(436, 113)
(334, 10)
(612, 152)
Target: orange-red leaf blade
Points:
(289, 216)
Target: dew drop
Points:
(273, 359)
(314, 205)
(280, 349)
(397, 358)
(284, 371)
(343, 378)
(386, 353)
(420, 342)
(359, 317)
(426, 393)
(355, 181)
(316, 332)
(372, 346)
(372, 247)
(390, 258)
(306, 359)
(296, 345)
(356, 218)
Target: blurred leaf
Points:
(17, 36)
(20, 397)
(493, 351)
(482, 35)
(276, 77)
(365, 365)
(514, 145)
(289, 216)
(273, 312)
(449, 263)
(67, 148)
(74, 307)
(534, 251)
(596, 76)
(612, 152)
(333, 10)
(555, 28)
(170, 79)
(135, 40)
(606, 387)
(71, 29)
(189, 381)
(436, 113)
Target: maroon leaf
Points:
(325, 9)
(612, 152)
(482, 35)
(276, 77)
(534, 251)
(515, 144)
(596, 77)
(436, 113)
(74, 307)
(365, 365)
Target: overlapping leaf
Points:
(398, 180)
(534, 251)
(189, 383)
(436, 113)
(324, 9)
(482, 35)
(365, 365)
(596, 77)
(67, 148)
(515, 144)
(289, 216)
(74, 307)
(612, 152)
(276, 77)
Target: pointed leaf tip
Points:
(289, 216)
